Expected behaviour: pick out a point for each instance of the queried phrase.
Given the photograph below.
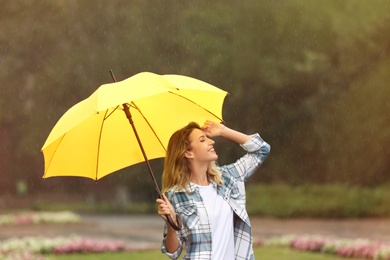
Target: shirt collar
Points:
(193, 187)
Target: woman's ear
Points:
(188, 154)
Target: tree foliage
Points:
(310, 76)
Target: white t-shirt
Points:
(221, 218)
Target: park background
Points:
(310, 76)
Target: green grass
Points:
(284, 253)
(269, 253)
(144, 255)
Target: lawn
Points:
(269, 253)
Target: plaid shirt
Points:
(196, 229)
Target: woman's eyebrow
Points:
(202, 136)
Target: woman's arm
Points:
(257, 149)
(213, 129)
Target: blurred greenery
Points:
(269, 200)
(310, 76)
(100, 208)
(318, 201)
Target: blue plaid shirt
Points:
(196, 229)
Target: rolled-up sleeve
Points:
(177, 253)
(257, 151)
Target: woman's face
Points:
(201, 147)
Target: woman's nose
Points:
(211, 141)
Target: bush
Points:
(318, 201)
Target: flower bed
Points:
(355, 248)
(36, 247)
(21, 255)
(87, 245)
(26, 218)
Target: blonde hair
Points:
(176, 166)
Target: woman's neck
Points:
(199, 176)
(201, 181)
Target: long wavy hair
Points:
(176, 172)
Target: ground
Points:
(145, 231)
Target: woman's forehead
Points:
(196, 134)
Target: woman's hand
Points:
(165, 208)
(213, 129)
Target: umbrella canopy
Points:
(94, 137)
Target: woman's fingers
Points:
(163, 207)
(165, 198)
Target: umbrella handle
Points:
(173, 224)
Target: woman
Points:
(208, 200)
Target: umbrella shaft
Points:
(129, 117)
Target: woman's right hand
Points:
(165, 208)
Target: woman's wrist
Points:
(223, 130)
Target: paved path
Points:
(145, 231)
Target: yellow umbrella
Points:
(94, 137)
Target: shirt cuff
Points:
(174, 255)
(254, 144)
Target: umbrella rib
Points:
(189, 100)
(150, 126)
(98, 144)
(51, 159)
(105, 117)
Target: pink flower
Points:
(313, 244)
(87, 245)
(23, 219)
